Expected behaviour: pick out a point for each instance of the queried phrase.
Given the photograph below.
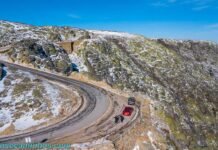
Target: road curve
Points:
(97, 103)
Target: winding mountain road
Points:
(97, 112)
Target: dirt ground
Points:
(141, 135)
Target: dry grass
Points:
(39, 116)
(102, 84)
(8, 131)
(21, 87)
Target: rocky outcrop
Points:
(41, 54)
(37, 45)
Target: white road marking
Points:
(28, 140)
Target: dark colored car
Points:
(131, 101)
(44, 140)
(128, 111)
(118, 119)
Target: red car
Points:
(127, 111)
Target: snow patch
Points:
(90, 144)
(151, 138)
(136, 147)
(5, 116)
(110, 33)
(79, 62)
(53, 93)
(4, 57)
(5, 119)
(26, 122)
(16, 26)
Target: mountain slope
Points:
(181, 77)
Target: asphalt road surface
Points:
(96, 104)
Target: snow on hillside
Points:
(20, 100)
(79, 62)
(13, 25)
(111, 33)
(27, 121)
(53, 93)
(5, 118)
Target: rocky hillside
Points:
(37, 45)
(181, 77)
